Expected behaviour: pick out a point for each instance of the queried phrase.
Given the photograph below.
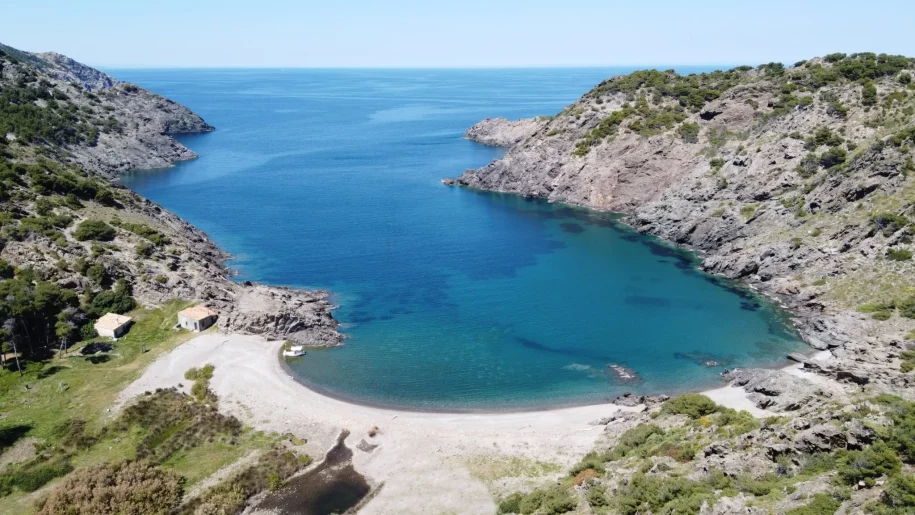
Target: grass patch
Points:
(494, 468)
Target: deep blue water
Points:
(452, 299)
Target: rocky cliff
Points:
(796, 180)
(68, 131)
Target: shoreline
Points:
(609, 403)
(412, 453)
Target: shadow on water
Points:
(334, 486)
(531, 344)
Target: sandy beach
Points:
(427, 462)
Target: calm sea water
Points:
(451, 299)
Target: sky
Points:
(466, 33)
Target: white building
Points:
(112, 325)
(196, 318)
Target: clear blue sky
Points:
(433, 33)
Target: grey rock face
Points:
(501, 132)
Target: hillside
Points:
(795, 180)
(68, 129)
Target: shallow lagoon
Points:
(452, 299)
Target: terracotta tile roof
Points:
(197, 312)
(111, 321)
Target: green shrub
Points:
(833, 157)
(822, 504)
(33, 475)
(908, 362)
(739, 422)
(633, 439)
(808, 166)
(716, 163)
(6, 270)
(907, 307)
(693, 405)
(868, 464)
(823, 136)
(889, 223)
(144, 249)
(592, 460)
(97, 273)
(511, 504)
(94, 230)
(869, 94)
(899, 493)
(899, 255)
(878, 310)
(597, 498)
(689, 132)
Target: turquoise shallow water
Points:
(451, 299)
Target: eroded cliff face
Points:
(798, 181)
(105, 126)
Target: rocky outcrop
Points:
(502, 132)
(300, 316)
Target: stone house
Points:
(196, 318)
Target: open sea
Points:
(451, 299)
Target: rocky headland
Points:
(68, 173)
(796, 181)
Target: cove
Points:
(451, 299)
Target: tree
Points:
(869, 94)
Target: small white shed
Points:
(196, 318)
(112, 325)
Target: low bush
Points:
(899, 255)
(693, 405)
(689, 132)
(113, 488)
(657, 494)
(174, 421)
(889, 223)
(633, 439)
(833, 157)
(33, 475)
(95, 230)
(822, 504)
